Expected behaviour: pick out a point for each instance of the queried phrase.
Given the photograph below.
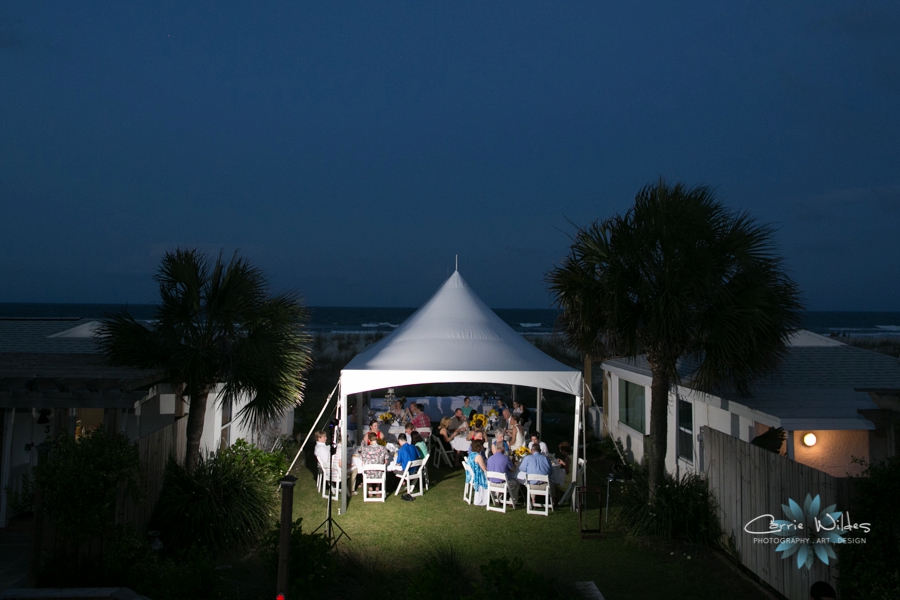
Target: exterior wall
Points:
(832, 451)
(631, 439)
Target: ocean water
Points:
(333, 319)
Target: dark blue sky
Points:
(351, 149)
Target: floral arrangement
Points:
(522, 451)
(493, 413)
(478, 420)
(386, 417)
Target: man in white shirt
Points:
(322, 451)
(536, 439)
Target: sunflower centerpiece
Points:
(386, 417)
(522, 452)
(478, 420)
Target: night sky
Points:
(351, 149)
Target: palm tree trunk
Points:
(196, 418)
(657, 442)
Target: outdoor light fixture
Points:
(809, 439)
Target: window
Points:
(225, 439)
(685, 434)
(631, 405)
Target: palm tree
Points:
(574, 290)
(217, 324)
(679, 276)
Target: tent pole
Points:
(313, 428)
(359, 417)
(538, 416)
(345, 489)
(578, 405)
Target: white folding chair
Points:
(536, 490)
(320, 479)
(499, 495)
(332, 485)
(469, 488)
(425, 469)
(411, 478)
(379, 479)
(441, 451)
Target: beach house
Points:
(836, 403)
(53, 381)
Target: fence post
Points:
(284, 543)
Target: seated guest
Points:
(400, 413)
(419, 419)
(504, 419)
(459, 431)
(466, 408)
(521, 412)
(331, 463)
(351, 419)
(406, 453)
(536, 439)
(418, 441)
(534, 464)
(322, 451)
(373, 453)
(373, 428)
(500, 463)
(409, 428)
(477, 433)
(476, 476)
(459, 422)
(444, 428)
(516, 434)
(500, 440)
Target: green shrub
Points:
(442, 575)
(872, 570)
(182, 576)
(684, 509)
(21, 502)
(273, 463)
(226, 504)
(312, 563)
(509, 579)
(79, 481)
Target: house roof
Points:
(820, 384)
(48, 363)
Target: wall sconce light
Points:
(809, 439)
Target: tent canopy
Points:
(455, 337)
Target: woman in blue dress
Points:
(477, 475)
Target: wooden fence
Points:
(748, 482)
(155, 450)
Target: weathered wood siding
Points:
(155, 450)
(748, 482)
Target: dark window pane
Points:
(631, 405)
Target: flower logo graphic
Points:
(809, 532)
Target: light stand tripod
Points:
(329, 523)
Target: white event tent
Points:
(454, 337)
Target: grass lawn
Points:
(400, 532)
